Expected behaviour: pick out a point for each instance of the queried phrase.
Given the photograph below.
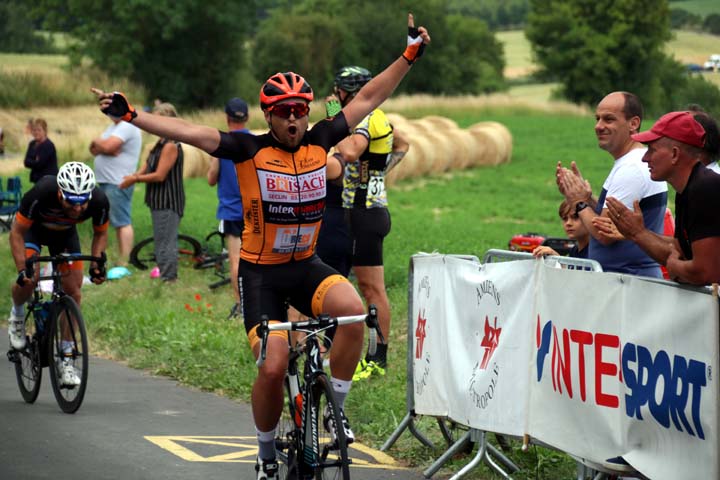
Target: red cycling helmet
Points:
(282, 86)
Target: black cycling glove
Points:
(120, 108)
(415, 46)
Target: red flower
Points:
(198, 297)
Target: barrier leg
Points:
(407, 422)
(481, 453)
(507, 463)
(455, 448)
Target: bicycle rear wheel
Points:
(28, 366)
(67, 346)
(333, 462)
(142, 256)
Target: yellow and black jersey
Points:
(364, 181)
(283, 191)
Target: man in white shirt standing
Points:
(117, 152)
(618, 116)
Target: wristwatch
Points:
(579, 207)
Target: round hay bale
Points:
(396, 120)
(464, 146)
(196, 161)
(440, 123)
(502, 132)
(490, 146)
(443, 151)
(415, 161)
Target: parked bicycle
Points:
(49, 325)
(211, 254)
(303, 452)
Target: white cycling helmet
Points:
(76, 181)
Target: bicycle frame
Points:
(301, 449)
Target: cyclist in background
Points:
(282, 176)
(369, 152)
(48, 215)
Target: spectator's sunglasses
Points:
(284, 110)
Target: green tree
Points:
(311, 44)
(183, 51)
(712, 24)
(595, 47)
(17, 32)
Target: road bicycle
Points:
(303, 452)
(142, 255)
(191, 252)
(48, 324)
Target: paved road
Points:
(135, 426)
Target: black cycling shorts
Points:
(233, 227)
(266, 288)
(369, 228)
(335, 244)
(56, 241)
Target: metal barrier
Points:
(571, 263)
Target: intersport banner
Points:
(626, 367)
(598, 365)
(471, 348)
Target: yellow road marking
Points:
(245, 450)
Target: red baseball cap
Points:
(680, 126)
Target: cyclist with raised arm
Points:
(48, 215)
(282, 176)
(370, 151)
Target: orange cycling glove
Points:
(120, 108)
(415, 46)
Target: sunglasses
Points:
(74, 199)
(284, 110)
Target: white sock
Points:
(341, 389)
(266, 444)
(18, 310)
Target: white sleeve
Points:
(627, 185)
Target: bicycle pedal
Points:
(13, 356)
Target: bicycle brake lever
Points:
(262, 331)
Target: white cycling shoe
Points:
(16, 331)
(68, 375)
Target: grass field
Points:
(686, 47)
(698, 7)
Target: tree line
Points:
(197, 54)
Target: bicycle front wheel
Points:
(68, 354)
(28, 366)
(333, 462)
(286, 439)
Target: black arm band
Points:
(340, 159)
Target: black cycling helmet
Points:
(282, 86)
(352, 78)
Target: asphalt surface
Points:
(135, 426)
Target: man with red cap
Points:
(675, 145)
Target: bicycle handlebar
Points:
(322, 322)
(61, 258)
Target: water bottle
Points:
(41, 318)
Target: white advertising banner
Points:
(598, 365)
(625, 367)
(471, 347)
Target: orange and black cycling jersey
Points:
(41, 207)
(283, 190)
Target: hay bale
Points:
(440, 123)
(196, 161)
(501, 132)
(464, 146)
(490, 146)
